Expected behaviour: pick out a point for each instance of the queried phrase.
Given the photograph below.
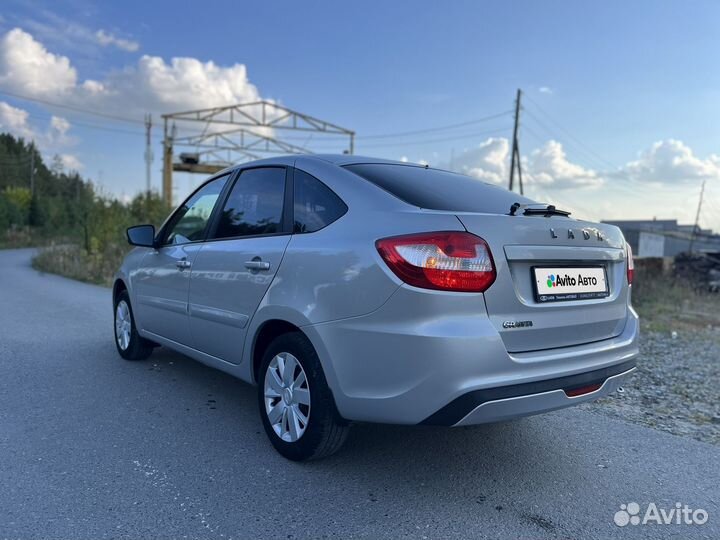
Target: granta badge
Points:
(517, 324)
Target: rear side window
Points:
(255, 204)
(438, 190)
(316, 205)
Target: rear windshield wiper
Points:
(546, 210)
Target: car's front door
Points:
(161, 286)
(235, 266)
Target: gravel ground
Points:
(676, 387)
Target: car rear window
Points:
(438, 190)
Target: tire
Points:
(135, 348)
(323, 432)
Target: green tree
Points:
(19, 199)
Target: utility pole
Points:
(697, 217)
(515, 154)
(148, 153)
(167, 191)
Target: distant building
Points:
(665, 237)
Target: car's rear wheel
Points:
(127, 340)
(296, 405)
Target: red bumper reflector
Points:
(582, 390)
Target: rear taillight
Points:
(630, 264)
(448, 261)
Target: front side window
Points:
(316, 205)
(190, 221)
(255, 204)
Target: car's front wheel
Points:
(296, 405)
(127, 340)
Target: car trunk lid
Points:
(566, 250)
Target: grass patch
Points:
(71, 260)
(666, 304)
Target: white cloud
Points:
(549, 166)
(672, 161)
(27, 66)
(68, 32)
(15, 121)
(108, 39)
(490, 161)
(59, 124)
(181, 84)
(93, 87)
(152, 84)
(550, 176)
(545, 90)
(71, 162)
(52, 139)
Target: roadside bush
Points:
(95, 254)
(667, 303)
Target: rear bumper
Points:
(410, 361)
(505, 402)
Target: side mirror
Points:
(141, 235)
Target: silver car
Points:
(352, 289)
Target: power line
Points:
(434, 129)
(631, 185)
(72, 108)
(572, 144)
(83, 110)
(443, 139)
(632, 189)
(89, 126)
(578, 145)
(710, 204)
(587, 148)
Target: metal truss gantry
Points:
(237, 133)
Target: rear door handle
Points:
(257, 265)
(183, 264)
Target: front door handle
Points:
(257, 264)
(183, 264)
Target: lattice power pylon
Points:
(236, 133)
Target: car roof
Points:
(336, 159)
(349, 159)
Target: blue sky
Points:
(621, 96)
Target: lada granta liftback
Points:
(357, 289)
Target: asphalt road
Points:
(92, 446)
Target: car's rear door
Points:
(235, 266)
(161, 285)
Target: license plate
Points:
(557, 284)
